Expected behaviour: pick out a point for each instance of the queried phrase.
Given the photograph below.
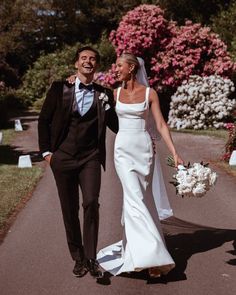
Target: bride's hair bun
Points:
(130, 58)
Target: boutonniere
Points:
(104, 99)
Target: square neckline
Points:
(145, 100)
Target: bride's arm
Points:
(162, 126)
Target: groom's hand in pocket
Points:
(48, 158)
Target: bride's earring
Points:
(131, 75)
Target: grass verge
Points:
(16, 185)
(229, 169)
(220, 133)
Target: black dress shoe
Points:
(80, 268)
(93, 268)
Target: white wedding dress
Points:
(143, 243)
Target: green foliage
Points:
(47, 68)
(233, 48)
(225, 25)
(9, 102)
(56, 66)
(28, 28)
(107, 51)
(19, 37)
(3, 112)
(198, 11)
(105, 14)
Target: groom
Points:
(72, 128)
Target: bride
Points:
(143, 245)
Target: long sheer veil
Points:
(158, 186)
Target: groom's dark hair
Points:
(79, 50)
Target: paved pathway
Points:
(201, 237)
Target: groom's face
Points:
(86, 63)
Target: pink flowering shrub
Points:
(142, 31)
(194, 50)
(106, 79)
(230, 145)
(171, 53)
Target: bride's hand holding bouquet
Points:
(192, 180)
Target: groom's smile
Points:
(88, 67)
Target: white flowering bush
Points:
(194, 180)
(201, 103)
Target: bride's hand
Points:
(71, 79)
(177, 160)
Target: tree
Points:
(199, 11)
(104, 15)
(28, 28)
(17, 29)
(225, 25)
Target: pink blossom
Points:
(171, 53)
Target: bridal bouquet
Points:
(192, 180)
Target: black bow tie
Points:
(89, 87)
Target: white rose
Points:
(107, 106)
(199, 190)
(212, 178)
(103, 96)
(183, 190)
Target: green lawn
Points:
(15, 183)
(220, 133)
(8, 136)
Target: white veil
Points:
(142, 78)
(158, 186)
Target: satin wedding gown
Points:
(143, 243)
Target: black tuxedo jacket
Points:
(55, 115)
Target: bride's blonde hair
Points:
(131, 59)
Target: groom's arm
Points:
(45, 119)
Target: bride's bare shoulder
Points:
(153, 92)
(153, 96)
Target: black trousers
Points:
(69, 174)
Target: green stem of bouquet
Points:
(170, 161)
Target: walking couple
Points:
(72, 130)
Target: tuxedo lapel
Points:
(67, 103)
(68, 97)
(101, 113)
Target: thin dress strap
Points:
(147, 96)
(118, 94)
